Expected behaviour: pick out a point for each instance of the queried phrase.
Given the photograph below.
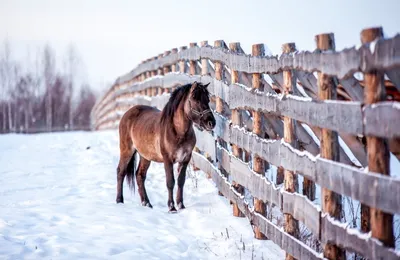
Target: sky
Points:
(112, 37)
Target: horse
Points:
(165, 136)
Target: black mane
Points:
(180, 94)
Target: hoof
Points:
(172, 210)
(147, 204)
(120, 200)
(181, 206)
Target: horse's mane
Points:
(176, 98)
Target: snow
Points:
(372, 45)
(57, 199)
(394, 166)
(349, 153)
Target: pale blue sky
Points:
(114, 36)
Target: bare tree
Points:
(48, 74)
(35, 96)
(9, 77)
(73, 70)
(85, 105)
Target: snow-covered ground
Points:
(57, 201)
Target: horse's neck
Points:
(180, 122)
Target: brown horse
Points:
(162, 136)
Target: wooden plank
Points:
(353, 88)
(308, 80)
(258, 185)
(340, 64)
(342, 116)
(288, 243)
(351, 181)
(303, 210)
(205, 142)
(382, 119)
(338, 115)
(394, 76)
(351, 239)
(276, 152)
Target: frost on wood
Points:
(205, 142)
(302, 209)
(340, 64)
(240, 172)
(351, 182)
(349, 238)
(382, 119)
(341, 116)
(288, 243)
(273, 151)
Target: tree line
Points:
(37, 96)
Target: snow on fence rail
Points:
(269, 101)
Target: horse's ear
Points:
(195, 84)
(206, 85)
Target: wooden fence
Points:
(289, 111)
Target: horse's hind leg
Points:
(126, 163)
(140, 179)
(124, 166)
(169, 172)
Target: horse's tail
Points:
(130, 172)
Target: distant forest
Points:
(37, 96)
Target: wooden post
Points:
(381, 223)
(166, 70)
(204, 62)
(236, 120)
(258, 163)
(327, 89)
(291, 225)
(153, 73)
(173, 66)
(204, 71)
(182, 63)
(192, 63)
(160, 71)
(219, 75)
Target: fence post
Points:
(219, 75)
(327, 89)
(258, 163)
(160, 71)
(182, 63)
(291, 225)
(166, 69)
(204, 62)
(192, 63)
(173, 66)
(236, 120)
(381, 223)
(204, 71)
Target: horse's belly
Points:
(148, 150)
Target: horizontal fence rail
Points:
(259, 102)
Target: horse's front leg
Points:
(169, 173)
(181, 182)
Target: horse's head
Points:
(197, 106)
